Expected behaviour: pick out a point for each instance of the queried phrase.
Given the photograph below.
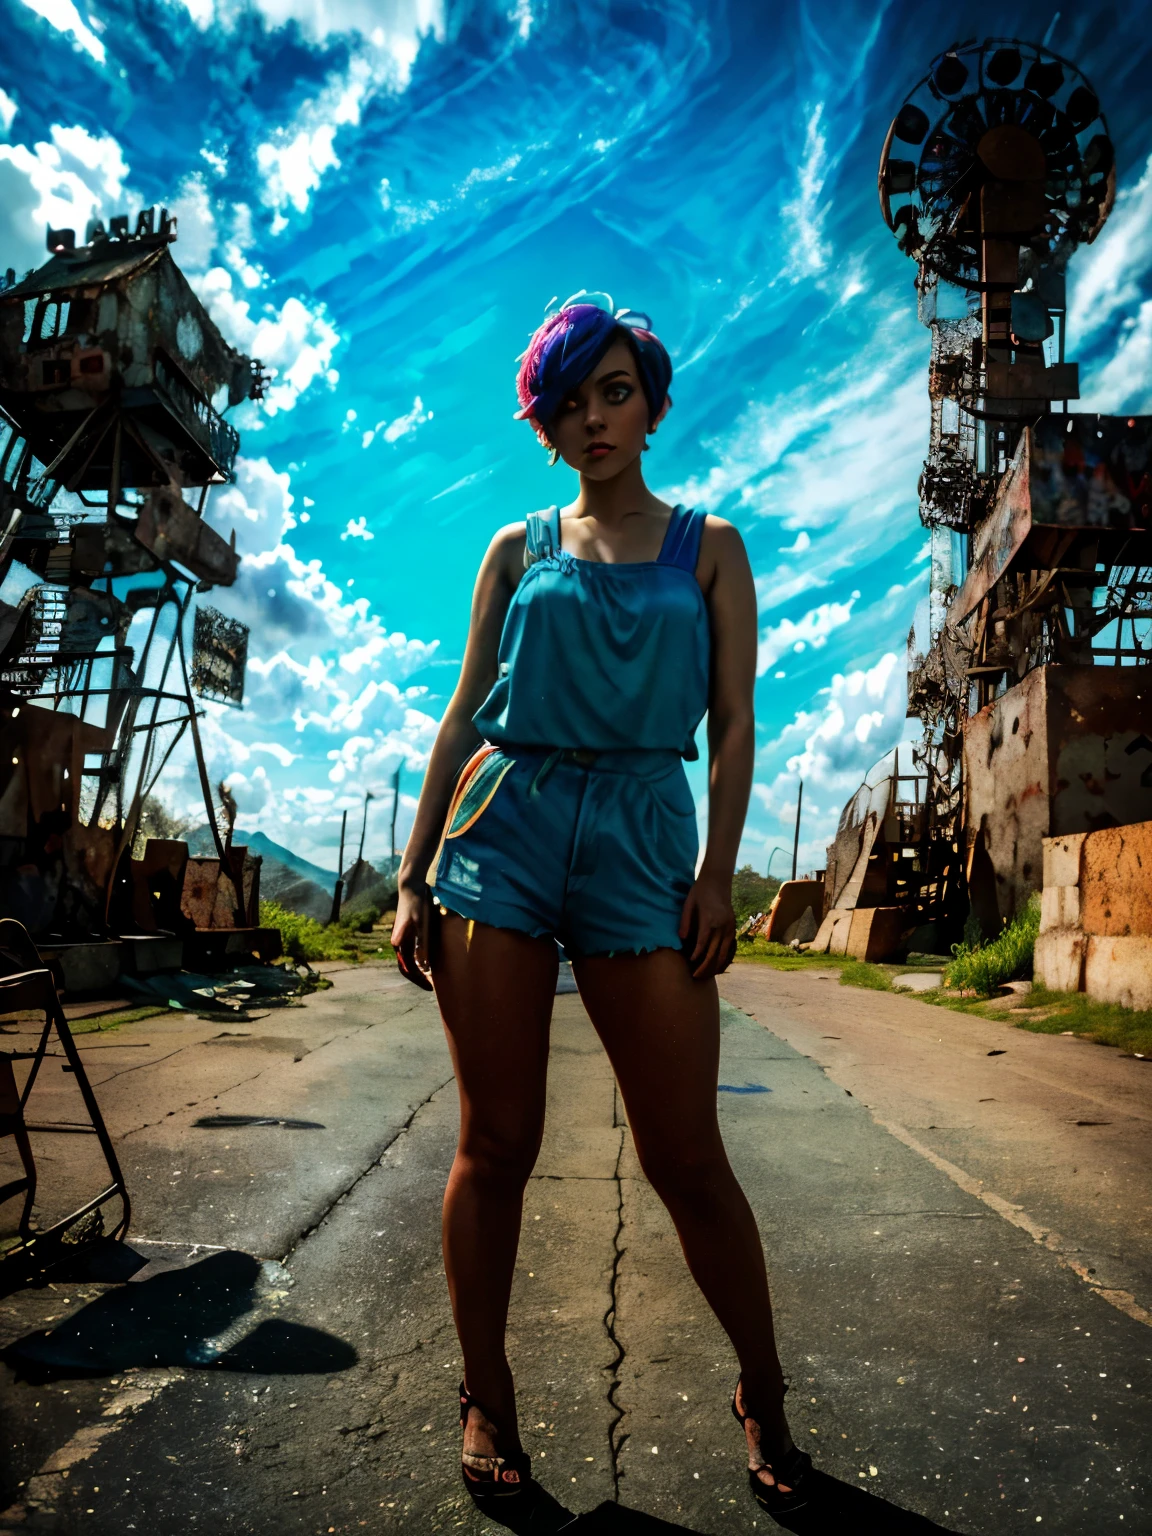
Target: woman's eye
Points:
(618, 394)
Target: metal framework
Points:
(996, 168)
(111, 373)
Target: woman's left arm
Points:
(730, 593)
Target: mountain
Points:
(200, 843)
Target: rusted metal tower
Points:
(1026, 668)
(113, 378)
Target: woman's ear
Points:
(661, 413)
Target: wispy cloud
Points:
(813, 629)
(63, 15)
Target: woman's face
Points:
(602, 425)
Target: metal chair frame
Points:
(33, 988)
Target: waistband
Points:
(642, 762)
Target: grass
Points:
(859, 973)
(1130, 1029)
(982, 968)
(306, 939)
(781, 957)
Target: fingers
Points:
(714, 953)
(408, 961)
(706, 965)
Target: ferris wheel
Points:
(988, 114)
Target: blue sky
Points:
(379, 197)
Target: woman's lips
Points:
(599, 450)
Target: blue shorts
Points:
(596, 850)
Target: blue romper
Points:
(578, 823)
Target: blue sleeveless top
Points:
(604, 657)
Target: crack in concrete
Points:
(617, 1438)
(377, 1160)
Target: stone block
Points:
(875, 932)
(1118, 969)
(1058, 960)
(1062, 858)
(1060, 907)
(832, 935)
(1116, 881)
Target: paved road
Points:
(942, 1359)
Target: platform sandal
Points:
(492, 1479)
(792, 1469)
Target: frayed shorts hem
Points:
(498, 915)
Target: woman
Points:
(600, 635)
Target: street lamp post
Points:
(771, 856)
(796, 843)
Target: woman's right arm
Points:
(456, 739)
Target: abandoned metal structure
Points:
(113, 378)
(1026, 665)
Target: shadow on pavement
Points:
(836, 1507)
(833, 1509)
(200, 1316)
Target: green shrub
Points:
(859, 973)
(303, 937)
(982, 968)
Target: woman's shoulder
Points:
(721, 549)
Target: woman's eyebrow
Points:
(617, 373)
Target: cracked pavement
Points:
(940, 1356)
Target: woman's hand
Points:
(409, 938)
(708, 925)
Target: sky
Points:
(379, 198)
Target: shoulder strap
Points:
(543, 535)
(681, 545)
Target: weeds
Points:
(982, 968)
(304, 938)
(859, 973)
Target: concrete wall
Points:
(1066, 750)
(1096, 915)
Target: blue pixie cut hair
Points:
(568, 345)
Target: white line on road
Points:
(1123, 1301)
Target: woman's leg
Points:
(661, 1030)
(495, 990)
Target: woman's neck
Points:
(611, 501)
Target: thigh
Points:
(661, 1031)
(495, 988)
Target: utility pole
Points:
(796, 840)
(368, 795)
(395, 808)
(339, 892)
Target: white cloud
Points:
(328, 701)
(401, 426)
(63, 182)
(1108, 273)
(63, 15)
(813, 629)
(396, 24)
(8, 111)
(296, 341)
(858, 718)
(1124, 382)
(357, 529)
(804, 213)
(802, 543)
(295, 158)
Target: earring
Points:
(553, 455)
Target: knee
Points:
(691, 1175)
(499, 1157)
